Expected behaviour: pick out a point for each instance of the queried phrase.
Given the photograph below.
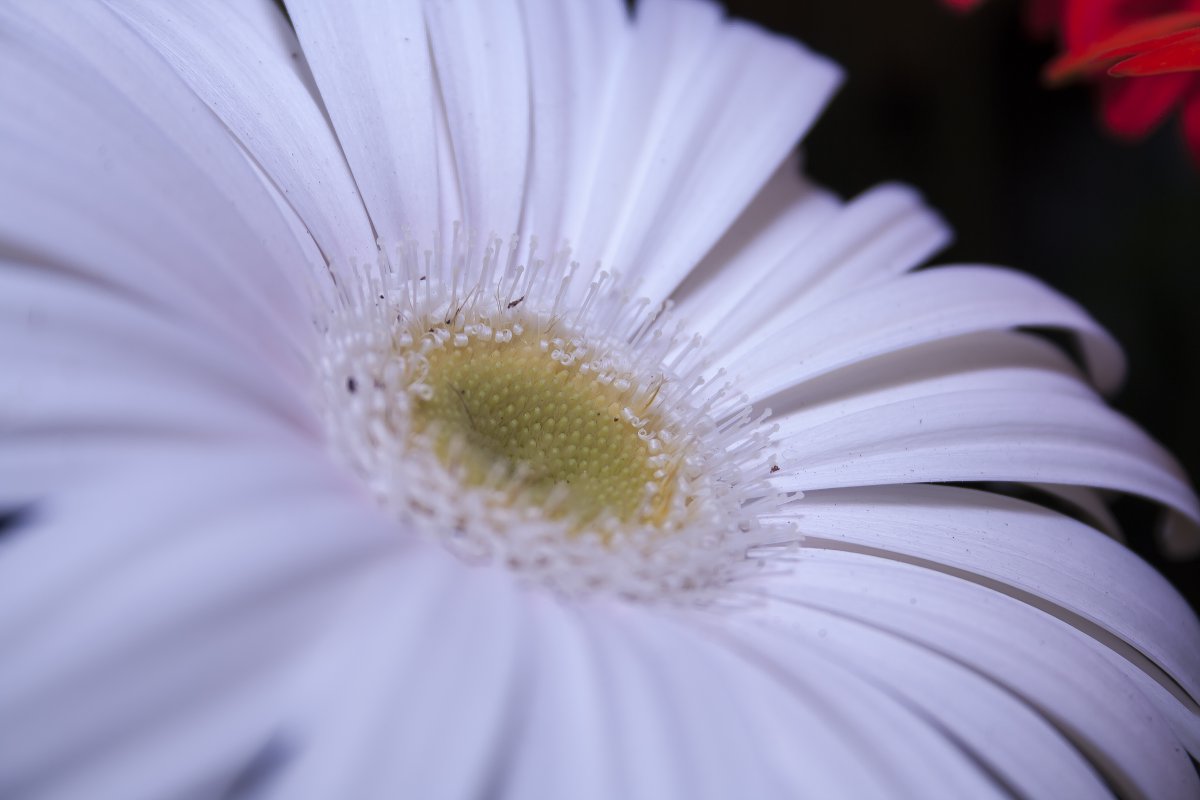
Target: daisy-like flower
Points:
(385, 413)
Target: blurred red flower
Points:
(1143, 56)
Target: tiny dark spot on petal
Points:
(12, 520)
(351, 385)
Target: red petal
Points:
(1085, 22)
(1127, 40)
(1146, 45)
(1191, 125)
(1182, 55)
(1133, 108)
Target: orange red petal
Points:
(1178, 52)
(1127, 41)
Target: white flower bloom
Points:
(277, 338)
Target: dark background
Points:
(953, 104)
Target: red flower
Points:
(1144, 56)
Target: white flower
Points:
(224, 350)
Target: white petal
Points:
(596, 701)
(879, 235)
(783, 216)
(1046, 662)
(573, 48)
(1180, 712)
(99, 142)
(391, 696)
(990, 424)
(904, 746)
(1087, 503)
(479, 52)
(1049, 560)
(158, 618)
(910, 310)
(1024, 751)
(989, 360)
(54, 328)
(371, 60)
(679, 160)
(100, 372)
(250, 79)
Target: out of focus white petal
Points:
(1040, 658)
(158, 618)
(1022, 750)
(252, 76)
(99, 143)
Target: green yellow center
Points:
(513, 404)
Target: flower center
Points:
(537, 416)
(549, 424)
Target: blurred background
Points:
(953, 104)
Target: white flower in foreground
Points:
(249, 399)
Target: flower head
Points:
(388, 401)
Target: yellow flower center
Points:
(548, 424)
(538, 416)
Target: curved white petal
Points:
(1049, 560)
(573, 48)
(1024, 752)
(1047, 663)
(677, 161)
(989, 360)
(248, 74)
(802, 343)
(884, 232)
(983, 424)
(371, 61)
(782, 218)
(98, 142)
(1182, 714)
(159, 616)
(1086, 503)
(479, 52)
(596, 701)
(89, 374)
(905, 747)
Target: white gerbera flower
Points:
(282, 318)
